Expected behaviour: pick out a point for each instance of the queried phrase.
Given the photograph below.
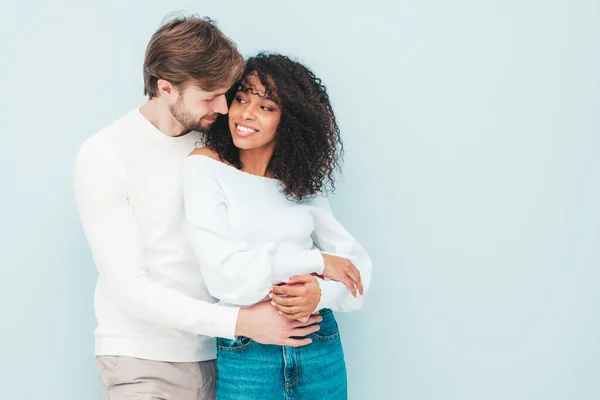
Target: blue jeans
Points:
(247, 370)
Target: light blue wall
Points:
(472, 176)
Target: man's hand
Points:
(342, 270)
(263, 324)
(302, 296)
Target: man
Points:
(156, 319)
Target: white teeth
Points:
(245, 129)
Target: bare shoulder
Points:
(206, 152)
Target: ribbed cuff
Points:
(331, 293)
(224, 322)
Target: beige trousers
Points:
(128, 378)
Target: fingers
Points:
(297, 342)
(300, 279)
(305, 331)
(348, 282)
(293, 312)
(354, 274)
(349, 275)
(287, 301)
(289, 310)
(301, 315)
(314, 319)
(293, 291)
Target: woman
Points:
(257, 216)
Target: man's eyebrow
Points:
(214, 96)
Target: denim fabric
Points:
(247, 370)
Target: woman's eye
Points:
(239, 99)
(266, 108)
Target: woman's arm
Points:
(234, 271)
(332, 238)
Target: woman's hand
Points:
(342, 270)
(297, 298)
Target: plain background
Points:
(472, 177)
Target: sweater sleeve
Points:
(332, 238)
(109, 224)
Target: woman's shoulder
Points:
(202, 161)
(205, 152)
(206, 161)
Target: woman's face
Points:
(253, 116)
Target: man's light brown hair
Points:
(191, 50)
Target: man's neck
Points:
(159, 115)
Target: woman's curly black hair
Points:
(308, 148)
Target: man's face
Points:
(197, 110)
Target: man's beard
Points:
(188, 121)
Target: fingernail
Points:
(280, 313)
(273, 303)
(271, 295)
